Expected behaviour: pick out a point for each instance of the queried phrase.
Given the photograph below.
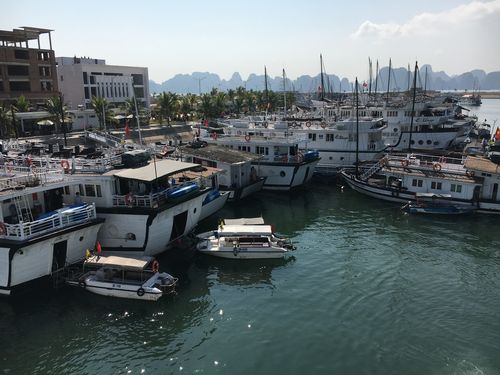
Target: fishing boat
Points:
(244, 241)
(124, 277)
(436, 204)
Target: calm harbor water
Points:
(369, 290)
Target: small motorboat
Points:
(124, 277)
(244, 241)
(438, 204)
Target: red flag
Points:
(127, 130)
(205, 122)
(98, 247)
(497, 134)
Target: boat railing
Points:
(64, 217)
(431, 162)
(16, 176)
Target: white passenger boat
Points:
(125, 277)
(244, 241)
(39, 236)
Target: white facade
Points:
(80, 79)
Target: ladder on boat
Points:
(23, 209)
(374, 168)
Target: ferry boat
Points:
(282, 163)
(398, 178)
(244, 241)
(40, 235)
(124, 277)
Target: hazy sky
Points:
(222, 36)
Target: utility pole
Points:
(199, 84)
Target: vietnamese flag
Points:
(127, 130)
(497, 134)
(205, 122)
(98, 247)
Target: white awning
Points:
(116, 261)
(155, 170)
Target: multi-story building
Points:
(25, 70)
(82, 78)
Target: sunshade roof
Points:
(154, 170)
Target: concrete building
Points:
(81, 78)
(25, 67)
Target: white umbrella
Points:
(45, 122)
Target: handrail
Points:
(61, 218)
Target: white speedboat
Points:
(125, 277)
(244, 242)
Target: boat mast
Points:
(357, 129)
(388, 82)
(266, 92)
(425, 81)
(284, 91)
(413, 103)
(409, 77)
(322, 87)
(376, 80)
(370, 75)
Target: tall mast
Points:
(265, 87)
(388, 82)
(284, 91)
(357, 128)
(413, 103)
(425, 81)
(409, 75)
(370, 74)
(322, 81)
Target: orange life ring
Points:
(436, 167)
(405, 163)
(129, 198)
(3, 229)
(155, 266)
(308, 124)
(65, 164)
(247, 138)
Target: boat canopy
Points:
(119, 262)
(245, 221)
(245, 230)
(155, 170)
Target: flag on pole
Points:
(127, 130)
(205, 122)
(98, 247)
(497, 134)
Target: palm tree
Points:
(56, 108)
(206, 106)
(22, 104)
(185, 107)
(101, 108)
(5, 121)
(168, 102)
(219, 104)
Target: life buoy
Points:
(141, 292)
(264, 124)
(308, 124)
(65, 164)
(323, 124)
(405, 163)
(156, 266)
(436, 167)
(469, 173)
(247, 138)
(129, 198)
(3, 229)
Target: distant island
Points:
(203, 82)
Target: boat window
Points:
(98, 190)
(90, 191)
(282, 174)
(417, 182)
(429, 142)
(66, 190)
(330, 137)
(436, 185)
(455, 188)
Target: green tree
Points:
(101, 108)
(22, 104)
(5, 121)
(55, 107)
(206, 106)
(169, 103)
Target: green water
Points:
(369, 290)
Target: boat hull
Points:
(214, 205)
(286, 176)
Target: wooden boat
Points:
(124, 277)
(437, 204)
(244, 241)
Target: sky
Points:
(224, 36)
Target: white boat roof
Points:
(117, 261)
(245, 230)
(154, 170)
(245, 221)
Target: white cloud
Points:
(428, 23)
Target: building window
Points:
(87, 95)
(455, 188)
(85, 78)
(62, 78)
(20, 86)
(21, 54)
(137, 79)
(18, 70)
